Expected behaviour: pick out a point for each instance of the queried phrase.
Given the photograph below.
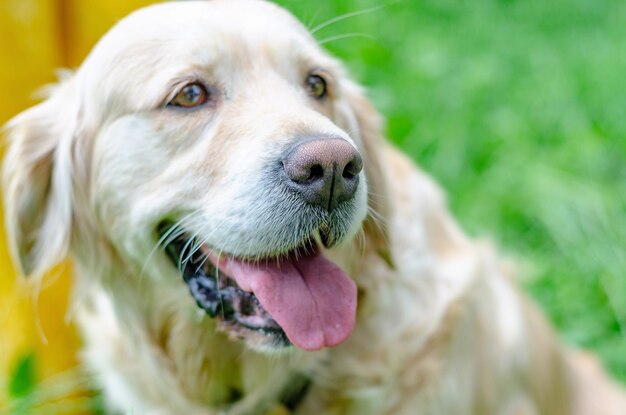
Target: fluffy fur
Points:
(91, 171)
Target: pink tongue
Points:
(310, 298)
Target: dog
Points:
(246, 242)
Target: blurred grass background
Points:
(518, 108)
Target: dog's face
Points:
(220, 131)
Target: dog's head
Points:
(221, 131)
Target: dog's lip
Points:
(301, 295)
(237, 311)
(311, 298)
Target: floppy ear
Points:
(367, 123)
(37, 182)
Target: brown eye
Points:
(190, 96)
(316, 86)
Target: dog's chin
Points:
(249, 296)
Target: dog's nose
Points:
(323, 171)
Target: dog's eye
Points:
(190, 96)
(316, 86)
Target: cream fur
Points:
(440, 328)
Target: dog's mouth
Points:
(299, 297)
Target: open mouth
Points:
(298, 298)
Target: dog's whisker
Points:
(345, 16)
(372, 193)
(192, 249)
(379, 221)
(195, 246)
(308, 24)
(345, 36)
(192, 243)
(360, 243)
(217, 281)
(174, 231)
(218, 230)
(376, 216)
(349, 132)
(168, 236)
(182, 257)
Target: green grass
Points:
(518, 108)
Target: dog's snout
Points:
(323, 171)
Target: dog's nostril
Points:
(316, 172)
(350, 171)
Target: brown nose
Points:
(323, 171)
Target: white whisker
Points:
(345, 36)
(376, 216)
(307, 24)
(170, 235)
(345, 16)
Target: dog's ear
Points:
(37, 181)
(367, 124)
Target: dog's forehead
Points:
(146, 50)
(193, 24)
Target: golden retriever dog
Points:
(245, 241)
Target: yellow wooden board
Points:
(36, 38)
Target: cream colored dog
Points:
(227, 198)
